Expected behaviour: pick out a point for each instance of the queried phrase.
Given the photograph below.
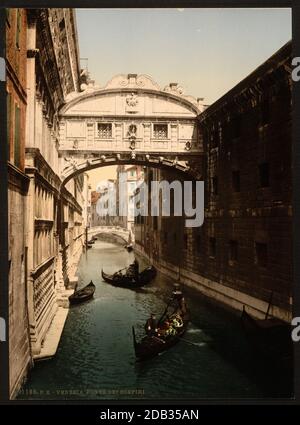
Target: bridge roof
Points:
(133, 85)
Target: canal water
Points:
(95, 357)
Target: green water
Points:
(95, 357)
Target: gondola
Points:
(83, 294)
(119, 279)
(267, 335)
(129, 247)
(152, 345)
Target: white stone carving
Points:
(132, 100)
(72, 162)
(132, 81)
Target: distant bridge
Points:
(117, 231)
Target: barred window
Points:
(104, 131)
(17, 140)
(236, 126)
(236, 184)
(261, 254)
(160, 131)
(264, 174)
(18, 28)
(212, 247)
(185, 239)
(215, 185)
(233, 251)
(265, 111)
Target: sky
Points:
(206, 51)
(102, 173)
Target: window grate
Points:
(160, 131)
(104, 131)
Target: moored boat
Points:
(130, 281)
(83, 294)
(268, 335)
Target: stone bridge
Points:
(131, 120)
(117, 231)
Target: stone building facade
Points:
(133, 175)
(242, 255)
(103, 219)
(47, 218)
(19, 339)
(55, 231)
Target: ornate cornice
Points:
(17, 178)
(133, 84)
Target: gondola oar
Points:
(195, 344)
(134, 338)
(165, 312)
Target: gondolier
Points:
(151, 325)
(133, 270)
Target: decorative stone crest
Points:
(132, 144)
(132, 132)
(132, 100)
(188, 146)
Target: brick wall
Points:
(247, 139)
(245, 242)
(16, 22)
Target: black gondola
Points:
(152, 345)
(120, 279)
(129, 247)
(83, 294)
(268, 335)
